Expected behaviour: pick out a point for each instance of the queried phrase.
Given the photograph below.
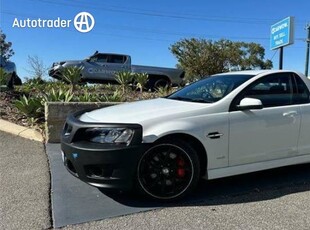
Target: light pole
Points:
(307, 51)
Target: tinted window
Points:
(272, 90)
(210, 89)
(99, 58)
(301, 92)
(117, 59)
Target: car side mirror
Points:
(250, 103)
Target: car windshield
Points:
(210, 89)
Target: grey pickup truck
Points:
(101, 67)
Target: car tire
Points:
(156, 82)
(168, 171)
(161, 83)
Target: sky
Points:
(146, 29)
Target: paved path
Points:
(24, 184)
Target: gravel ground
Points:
(274, 209)
(24, 184)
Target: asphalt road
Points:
(24, 184)
(274, 199)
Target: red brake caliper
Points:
(180, 170)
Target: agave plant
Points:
(115, 97)
(123, 78)
(72, 75)
(141, 80)
(163, 91)
(31, 107)
(88, 97)
(58, 95)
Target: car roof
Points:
(254, 72)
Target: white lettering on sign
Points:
(279, 42)
(41, 23)
(83, 22)
(279, 27)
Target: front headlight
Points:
(109, 135)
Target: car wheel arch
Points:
(195, 143)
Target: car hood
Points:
(73, 61)
(137, 112)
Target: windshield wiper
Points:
(201, 100)
(180, 98)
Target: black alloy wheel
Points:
(168, 171)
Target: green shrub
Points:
(72, 75)
(124, 78)
(31, 107)
(88, 97)
(141, 80)
(164, 91)
(115, 97)
(3, 77)
(58, 95)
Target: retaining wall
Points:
(56, 113)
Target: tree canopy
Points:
(201, 57)
(5, 47)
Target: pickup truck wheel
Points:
(161, 83)
(157, 82)
(168, 170)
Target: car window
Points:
(99, 58)
(210, 89)
(301, 92)
(117, 59)
(102, 58)
(273, 90)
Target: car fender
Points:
(155, 132)
(215, 147)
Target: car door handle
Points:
(290, 114)
(215, 135)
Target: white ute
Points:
(223, 125)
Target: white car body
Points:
(244, 141)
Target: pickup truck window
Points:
(109, 58)
(103, 58)
(117, 59)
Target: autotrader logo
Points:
(84, 22)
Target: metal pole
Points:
(281, 58)
(307, 51)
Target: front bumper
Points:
(54, 72)
(101, 165)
